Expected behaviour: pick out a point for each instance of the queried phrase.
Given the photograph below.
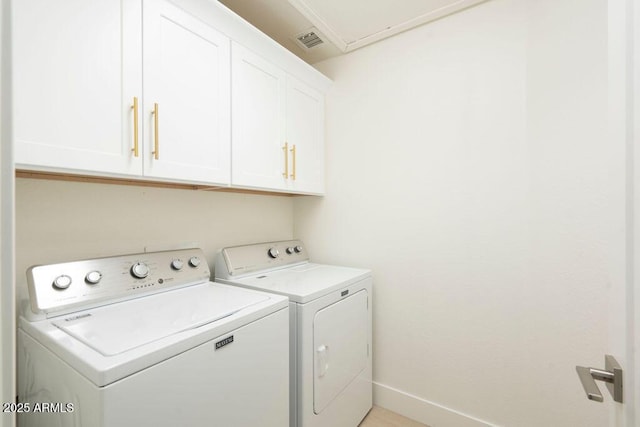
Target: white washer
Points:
(147, 339)
(330, 328)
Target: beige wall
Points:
(61, 221)
(468, 166)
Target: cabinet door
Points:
(305, 135)
(187, 75)
(259, 159)
(76, 69)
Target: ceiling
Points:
(342, 25)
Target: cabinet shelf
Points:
(53, 176)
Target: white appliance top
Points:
(116, 328)
(303, 283)
(143, 343)
(289, 274)
(124, 323)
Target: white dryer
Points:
(330, 327)
(148, 340)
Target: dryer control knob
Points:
(62, 282)
(194, 261)
(177, 264)
(290, 250)
(93, 277)
(298, 249)
(140, 270)
(273, 253)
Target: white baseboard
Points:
(421, 410)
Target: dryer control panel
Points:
(70, 286)
(239, 260)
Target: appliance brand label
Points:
(344, 293)
(69, 319)
(224, 342)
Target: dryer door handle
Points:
(323, 360)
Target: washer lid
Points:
(303, 283)
(120, 327)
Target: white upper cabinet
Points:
(305, 137)
(258, 108)
(186, 97)
(176, 91)
(278, 127)
(77, 67)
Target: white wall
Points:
(468, 166)
(62, 221)
(2, 166)
(7, 325)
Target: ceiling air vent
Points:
(309, 38)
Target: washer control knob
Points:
(93, 277)
(194, 261)
(62, 282)
(273, 253)
(298, 249)
(290, 250)
(140, 270)
(177, 264)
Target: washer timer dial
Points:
(140, 270)
(273, 253)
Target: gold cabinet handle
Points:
(285, 149)
(136, 145)
(156, 139)
(293, 152)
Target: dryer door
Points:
(340, 342)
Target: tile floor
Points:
(380, 417)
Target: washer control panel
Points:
(88, 283)
(238, 260)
